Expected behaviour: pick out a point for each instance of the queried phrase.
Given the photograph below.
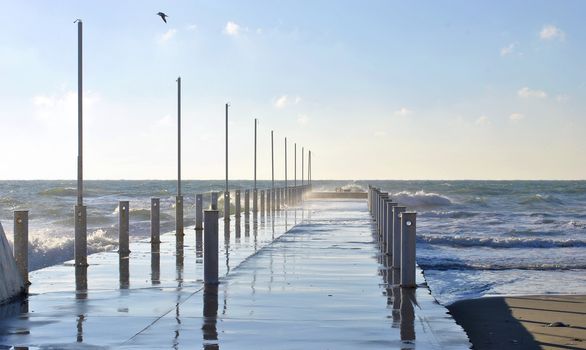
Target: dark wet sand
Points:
(522, 322)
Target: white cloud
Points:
(528, 93)
(302, 119)
(191, 27)
(403, 112)
(516, 117)
(562, 98)
(232, 29)
(168, 35)
(58, 108)
(284, 101)
(482, 120)
(507, 50)
(551, 32)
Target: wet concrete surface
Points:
(320, 284)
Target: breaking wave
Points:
(421, 199)
(455, 265)
(492, 242)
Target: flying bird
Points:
(163, 16)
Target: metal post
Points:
(227, 190)
(255, 190)
(237, 204)
(246, 202)
(397, 211)
(226, 206)
(278, 199)
(179, 136)
(269, 208)
(214, 201)
(21, 243)
(199, 212)
(179, 198)
(210, 262)
(80, 212)
(255, 124)
(295, 164)
(302, 165)
(79, 112)
(80, 235)
(155, 221)
(262, 202)
(254, 202)
(408, 231)
(179, 220)
(123, 228)
(286, 184)
(272, 168)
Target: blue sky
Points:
(377, 89)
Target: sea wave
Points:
(542, 198)
(449, 214)
(430, 264)
(459, 241)
(70, 192)
(421, 199)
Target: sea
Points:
(474, 238)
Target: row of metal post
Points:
(206, 220)
(396, 228)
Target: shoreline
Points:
(524, 322)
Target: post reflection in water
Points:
(396, 291)
(155, 264)
(237, 229)
(227, 246)
(408, 314)
(247, 230)
(210, 317)
(81, 295)
(198, 246)
(179, 254)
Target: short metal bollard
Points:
(210, 258)
(237, 204)
(21, 243)
(155, 221)
(199, 212)
(123, 228)
(214, 201)
(262, 202)
(80, 250)
(408, 236)
(388, 237)
(397, 210)
(381, 205)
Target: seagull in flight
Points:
(163, 16)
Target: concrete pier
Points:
(317, 284)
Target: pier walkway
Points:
(307, 279)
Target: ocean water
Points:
(475, 238)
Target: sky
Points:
(375, 89)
